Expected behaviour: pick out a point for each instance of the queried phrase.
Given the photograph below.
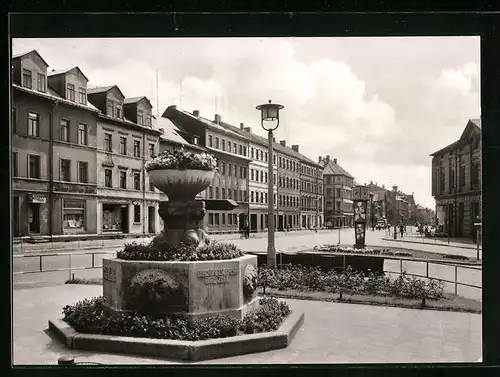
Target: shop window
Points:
(137, 213)
(73, 214)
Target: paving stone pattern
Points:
(332, 333)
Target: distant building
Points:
(337, 189)
(456, 182)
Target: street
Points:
(288, 242)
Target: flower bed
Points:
(350, 282)
(160, 250)
(90, 317)
(363, 251)
(181, 160)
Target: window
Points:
(109, 108)
(137, 148)
(140, 117)
(82, 134)
(14, 164)
(265, 177)
(151, 150)
(223, 193)
(216, 219)
(210, 140)
(252, 155)
(223, 164)
(229, 193)
(251, 174)
(210, 192)
(40, 82)
(108, 178)
(223, 144)
(27, 78)
(123, 179)
(137, 214)
(241, 149)
(137, 181)
(262, 176)
(229, 169)
(251, 196)
(217, 142)
(108, 142)
(34, 166)
(210, 219)
(265, 158)
(235, 147)
(235, 170)
(223, 218)
(73, 214)
(65, 170)
(82, 96)
(123, 145)
(147, 121)
(119, 112)
(462, 175)
(216, 193)
(83, 172)
(229, 146)
(151, 186)
(64, 130)
(33, 124)
(70, 92)
(196, 141)
(13, 119)
(475, 174)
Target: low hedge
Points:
(160, 250)
(90, 317)
(349, 282)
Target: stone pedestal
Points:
(195, 289)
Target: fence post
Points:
(93, 260)
(41, 263)
(456, 278)
(427, 270)
(69, 265)
(401, 266)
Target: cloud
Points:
(379, 105)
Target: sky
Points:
(378, 105)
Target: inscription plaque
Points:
(216, 275)
(109, 273)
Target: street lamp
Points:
(371, 210)
(270, 121)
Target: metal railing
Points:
(70, 268)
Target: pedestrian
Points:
(395, 232)
(401, 230)
(389, 230)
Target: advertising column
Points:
(360, 197)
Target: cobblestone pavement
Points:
(332, 333)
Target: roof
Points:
(133, 99)
(66, 70)
(333, 168)
(17, 56)
(104, 89)
(50, 94)
(470, 124)
(170, 130)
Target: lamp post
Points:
(371, 210)
(478, 226)
(270, 122)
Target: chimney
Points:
(196, 113)
(295, 148)
(242, 126)
(383, 186)
(283, 142)
(162, 130)
(320, 159)
(395, 188)
(248, 129)
(327, 158)
(217, 119)
(371, 182)
(274, 140)
(334, 160)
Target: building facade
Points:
(53, 150)
(456, 182)
(311, 192)
(126, 201)
(231, 151)
(337, 189)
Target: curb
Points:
(432, 244)
(180, 349)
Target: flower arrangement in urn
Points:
(181, 175)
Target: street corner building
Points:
(456, 182)
(79, 154)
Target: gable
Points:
(471, 132)
(37, 59)
(144, 103)
(115, 94)
(78, 72)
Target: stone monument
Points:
(191, 288)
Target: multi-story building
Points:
(311, 192)
(53, 150)
(126, 201)
(337, 190)
(231, 150)
(456, 182)
(424, 215)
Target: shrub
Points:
(89, 316)
(160, 250)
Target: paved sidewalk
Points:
(332, 333)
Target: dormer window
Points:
(118, 112)
(70, 92)
(27, 78)
(140, 117)
(82, 96)
(41, 82)
(147, 121)
(114, 109)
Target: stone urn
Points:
(181, 185)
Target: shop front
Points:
(30, 214)
(115, 217)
